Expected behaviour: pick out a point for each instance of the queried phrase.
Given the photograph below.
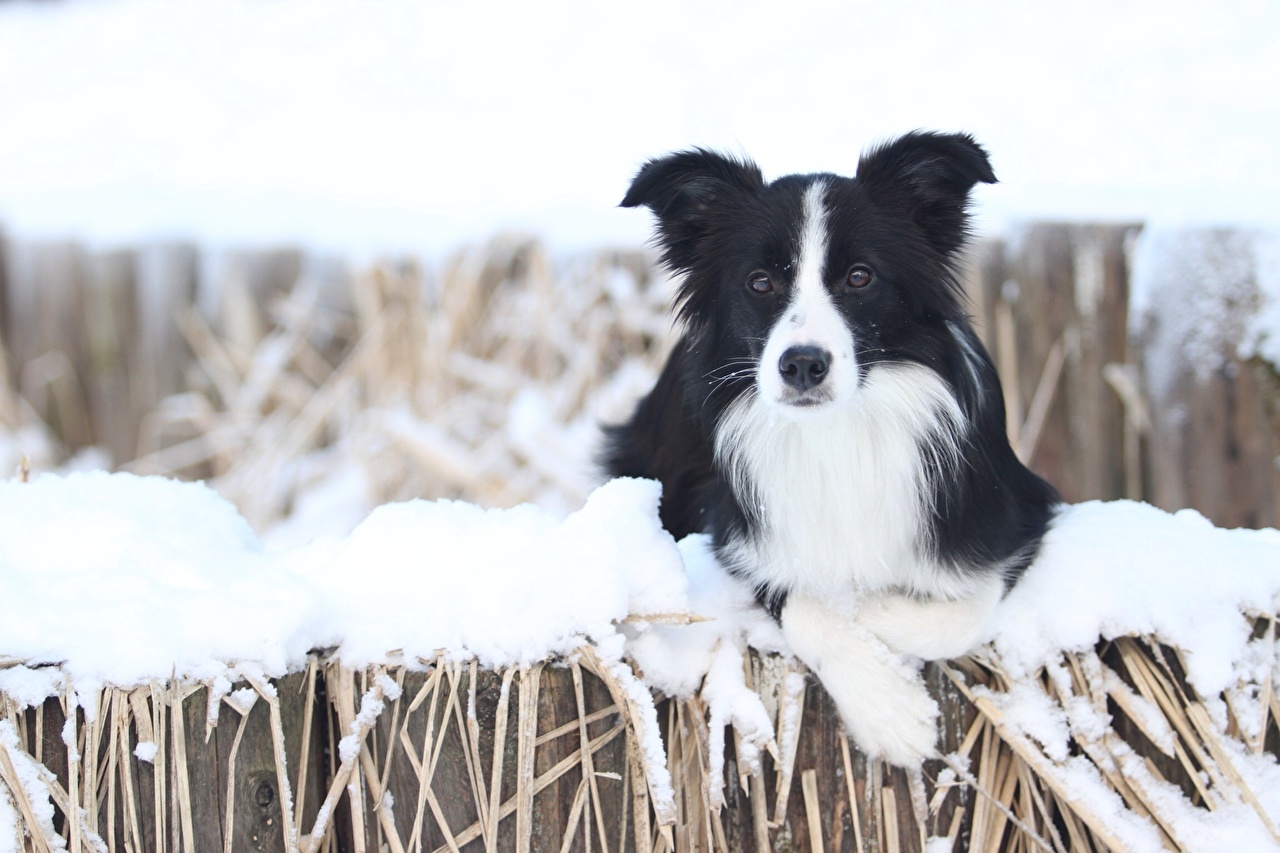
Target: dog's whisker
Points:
(747, 366)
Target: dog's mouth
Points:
(808, 400)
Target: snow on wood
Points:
(117, 581)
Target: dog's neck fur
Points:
(834, 501)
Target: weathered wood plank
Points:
(821, 750)
(256, 822)
(46, 286)
(112, 337)
(1215, 415)
(462, 776)
(1060, 291)
(6, 332)
(167, 279)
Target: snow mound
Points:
(117, 579)
(1111, 569)
(1202, 296)
(512, 586)
(123, 579)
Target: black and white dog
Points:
(831, 420)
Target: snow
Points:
(407, 126)
(1123, 568)
(512, 586)
(30, 778)
(243, 699)
(10, 835)
(171, 564)
(674, 658)
(145, 751)
(1111, 569)
(1147, 715)
(121, 579)
(705, 658)
(114, 579)
(1201, 296)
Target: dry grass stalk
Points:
(1206, 766)
(588, 767)
(812, 809)
(417, 386)
(500, 751)
(1040, 765)
(526, 737)
(790, 707)
(634, 717)
(307, 715)
(853, 795)
(1019, 801)
(229, 820)
(18, 794)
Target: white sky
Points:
(367, 126)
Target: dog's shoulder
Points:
(665, 439)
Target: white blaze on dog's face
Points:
(809, 359)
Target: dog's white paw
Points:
(886, 709)
(903, 730)
(880, 694)
(935, 629)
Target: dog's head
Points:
(803, 285)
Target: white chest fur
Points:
(841, 492)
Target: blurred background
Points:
(326, 253)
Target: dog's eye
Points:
(760, 283)
(859, 277)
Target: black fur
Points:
(904, 216)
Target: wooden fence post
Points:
(167, 276)
(1052, 309)
(1215, 410)
(465, 737)
(112, 335)
(46, 314)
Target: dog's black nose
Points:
(804, 367)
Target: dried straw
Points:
(460, 781)
(415, 386)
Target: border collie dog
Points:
(831, 420)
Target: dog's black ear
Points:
(684, 190)
(934, 173)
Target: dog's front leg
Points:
(932, 629)
(880, 694)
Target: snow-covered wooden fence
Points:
(634, 700)
(446, 756)
(308, 398)
(145, 353)
(95, 340)
(1138, 365)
